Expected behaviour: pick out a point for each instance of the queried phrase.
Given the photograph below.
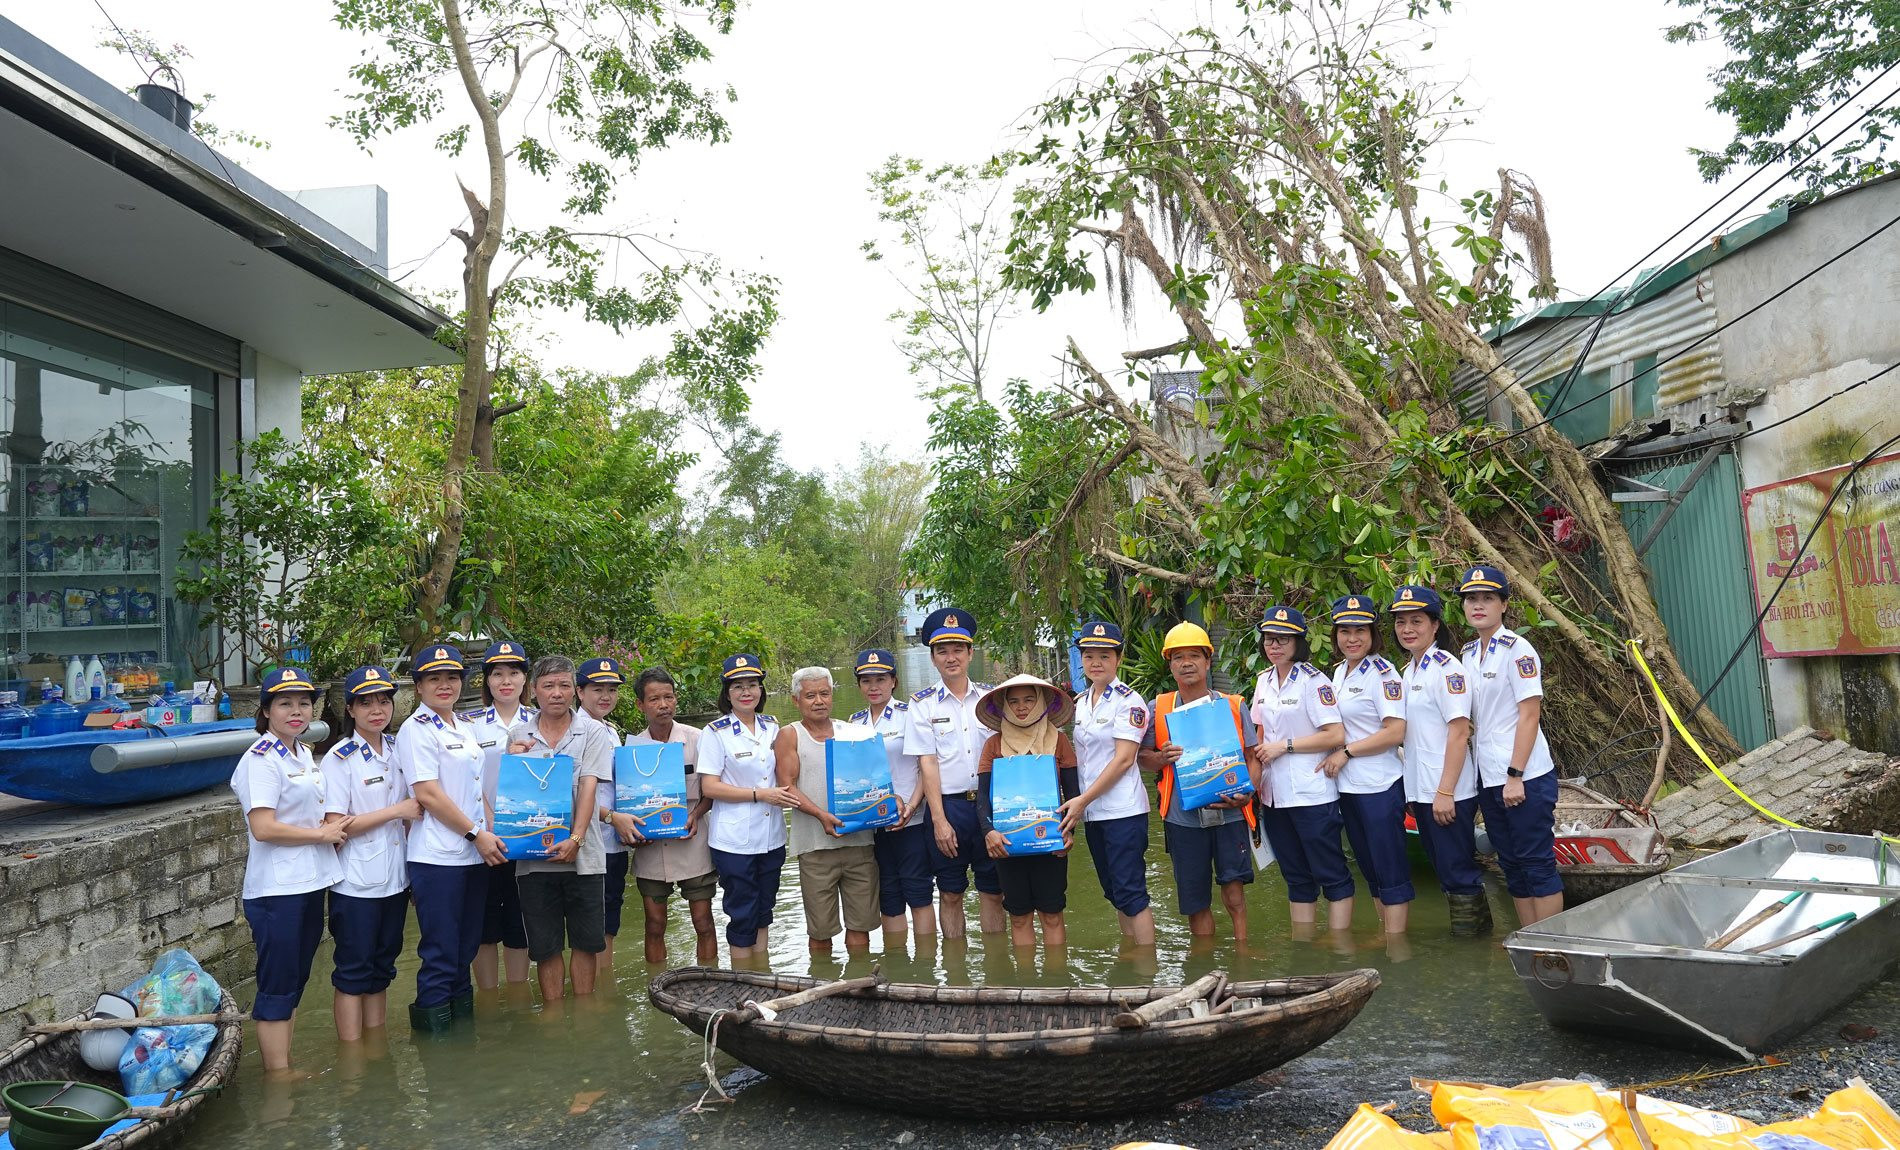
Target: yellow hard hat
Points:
(1183, 637)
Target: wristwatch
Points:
(1513, 772)
(470, 834)
(1346, 749)
(1289, 746)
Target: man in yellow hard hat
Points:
(1213, 844)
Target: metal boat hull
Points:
(1636, 963)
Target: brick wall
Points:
(88, 910)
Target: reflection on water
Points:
(611, 1071)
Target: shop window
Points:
(108, 452)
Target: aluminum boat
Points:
(1661, 961)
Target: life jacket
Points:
(1164, 784)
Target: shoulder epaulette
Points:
(1381, 664)
(919, 696)
(477, 713)
(348, 748)
(976, 686)
(863, 716)
(431, 718)
(1309, 668)
(1438, 656)
(262, 745)
(1123, 690)
(720, 724)
(902, 705)
(1507, 640)
(765, 717)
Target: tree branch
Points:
(1202, 581)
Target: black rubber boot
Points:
(430, 1021)
(463, 1006)
(1470, 915)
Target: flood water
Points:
(612, 1071)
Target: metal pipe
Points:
(130, 756)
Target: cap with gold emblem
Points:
(876, 661)
(505, 652)
(1099, 633)
(1282, 621)
(1414, 597)
(368, 681)
(439, 659)
(1483, 578)
(286, 679)
(949, 625)
(743, 667)
(1355, 611)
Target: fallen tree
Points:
(1266, 182)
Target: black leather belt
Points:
(966, 796)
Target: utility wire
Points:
(1553, 416)
(1633, 286)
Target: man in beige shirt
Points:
(837, 874)
(661, 865)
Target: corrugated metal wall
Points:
(1699, 574)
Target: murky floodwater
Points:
(612, 1071)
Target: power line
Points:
(1615, 302)
(1553, 416)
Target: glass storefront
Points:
(108, 453)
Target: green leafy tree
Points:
(575, 90)
(1265, 174)
(879, 506)
(946, 225)
(1796, 58)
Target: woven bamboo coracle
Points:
(1014, 1052)
(55, 1058)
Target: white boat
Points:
(1736, 953)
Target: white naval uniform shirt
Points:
(1293, 710)
(731, 753)
(940, 724)
(1436, 692)
(360, 775)
(432, 751)
(1369, 694)
(1505, 671)
(490, 733)
(890, 723)
(285, 779)
(1116, 715)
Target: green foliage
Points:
(1795, 58)
(947, 233)
(156, 59)
(298, 548)
(693, 649)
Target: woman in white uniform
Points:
(1367, 770)
(1110, 717)
(369, 905)
(291, 860)
(504, 947)
(1518, 781)
(452, 848)
(1440, 784)
(1298, 716)
(738, 771)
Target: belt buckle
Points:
(969, 796)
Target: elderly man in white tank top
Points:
(835, 872)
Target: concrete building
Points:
(159, 305)
(1727, 396)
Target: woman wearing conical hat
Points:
(1027, 713)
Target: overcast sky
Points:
(1587, 99)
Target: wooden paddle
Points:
(752, 1010)
(1162, 1007)
(72, 1024)
(1722, 940)
(1817, 928)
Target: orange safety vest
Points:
(1164, 784)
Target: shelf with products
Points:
(152, 573)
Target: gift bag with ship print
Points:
(1212, 765)
(534, 804)
(650, 785)
(1025, 803)
(858, 789)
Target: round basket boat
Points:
(1012, 1052)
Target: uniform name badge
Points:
(858, 788)
(650, 785)
(1212, 766)
(534, 804)
(1025, 804)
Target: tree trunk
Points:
(482, 242)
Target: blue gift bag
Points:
(1213, 765)
(858, 789)
(650, 785)
(1025, 803)
(534, 804)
